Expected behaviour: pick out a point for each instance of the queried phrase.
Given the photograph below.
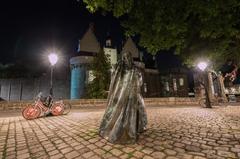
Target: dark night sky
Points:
(30, 28)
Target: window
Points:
(108, 43)
(145, 87)
(166, 86)
(181, 81)
(174, 84)
(90, 76)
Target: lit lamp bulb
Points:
(53, 58)
(202, 66)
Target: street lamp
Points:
(53, 58)
(202, 66)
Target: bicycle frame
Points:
(43, 108)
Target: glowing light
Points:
(202, 65)
(53, 58)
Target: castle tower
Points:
(88, 47)
(131, 47)
(110, 51)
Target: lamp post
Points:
(53, 58)
(202, 66)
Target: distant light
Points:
(53, 58)
(226, 91)
(202, 65)
(233, 90)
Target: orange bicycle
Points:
(43, 107)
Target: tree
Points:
(17, 71)
(195, 29)
(100, 69)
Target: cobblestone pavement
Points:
(185, 133)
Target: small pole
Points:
(51, 82)
(9, 92)
(0, 90)
(21, 88)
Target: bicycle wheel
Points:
(57, 109)
(202, 102)
(31, 112)
(67, 108)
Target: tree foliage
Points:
(17, 71)
(196, 28)
(100, 67)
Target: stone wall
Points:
(101, 103)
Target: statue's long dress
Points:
(125, 115)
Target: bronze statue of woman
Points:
(125, 116)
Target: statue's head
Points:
(127, 59)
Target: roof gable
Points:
(131, 47)
(89, 42)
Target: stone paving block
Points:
(107, 147)
(23, 156)
(88, 154)
(193, 148)
(199, 157)
(57, 156)
(116, 152)
(128, 149)
(79, 147)
(66, 150)
(84, 150)
(71, 155)
(99, 144)
(107, 155)
(91, 146)
(179, 150)
(95, 157)
(62, 146)
(50, 149)
(147, 157)
(138, 154)
(179, 145)
(226, 154)
(124, 156)
(172, 157)
(158, 155)
(54, 152)
(38, 154)
(99, 151)
(186, 156)
(11, 157)
(170, 152)
(237, 150)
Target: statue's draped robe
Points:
(125, 115)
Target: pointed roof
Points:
(131, 47)
(89, 42)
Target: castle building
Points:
(155, 84)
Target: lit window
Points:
(174, 84)
(181, 81)
(145, 87)
(166, 86)
(90, 76)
